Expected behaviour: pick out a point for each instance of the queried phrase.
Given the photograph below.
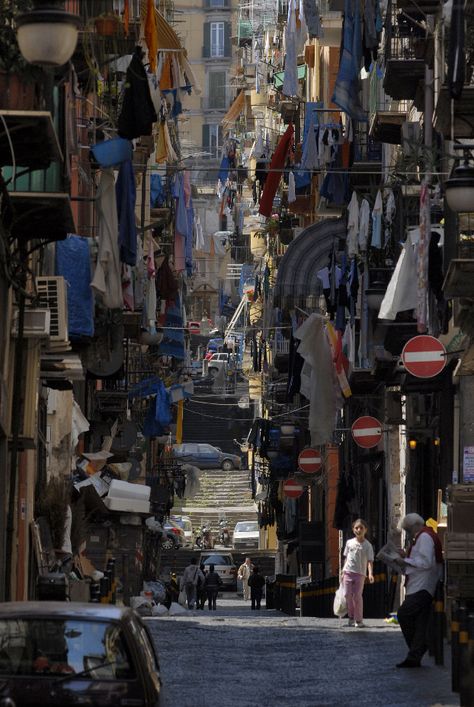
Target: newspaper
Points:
(389, 554)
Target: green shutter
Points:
(206, 50)
(205, 137)
(227, 42)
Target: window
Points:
(216, 3)
(217, 92)
(215, 140)
(206, 449)
(217, 39)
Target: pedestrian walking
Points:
(201, 594)
(191, 575)
(422, 566)
(243, 573)
(256, 583)
(359, 562)
(212, 583)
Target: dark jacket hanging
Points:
(138, 113)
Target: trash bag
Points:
(340, 605)
(176, 610)
(157, 588)
(182, 598)
(159, 610)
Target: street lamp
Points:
(459, 188)
(47, 35)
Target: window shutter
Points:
(226, 3)
(205, 137)
(206, 3)
(227, 42)
(206, 50)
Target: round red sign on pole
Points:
(367, 431)
(424, 356)
(310, 461)
(293, 488)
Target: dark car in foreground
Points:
(64, 653)
(205, 456)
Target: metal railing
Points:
(404, 38)
(366, 149)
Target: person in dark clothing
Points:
(256, 584)
(212, 583)
(201, 589)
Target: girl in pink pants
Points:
(359, 561)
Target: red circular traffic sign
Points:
(293, 488)
(310, 461)
(424, 356)
(367, 431)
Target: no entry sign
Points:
(424, 356)
(367, 431)
(309, 460)
(293, 488)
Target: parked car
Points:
(224, 566)
(67, 653)
(213, 346)
(219, 361)
(246, 534)
(195, 327)
(175, 536)
(205, 456)
(184, 522)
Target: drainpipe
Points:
(429, 98)
(15, 436)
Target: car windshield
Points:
(246, 527)
(61, 647)
(217, 560)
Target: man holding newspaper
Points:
(422, 567)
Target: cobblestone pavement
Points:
(235, 657)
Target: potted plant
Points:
(107, 25)
(19, 80)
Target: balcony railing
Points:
(366, 149)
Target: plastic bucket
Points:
(111, 152)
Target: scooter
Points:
(204, 539)
(224, 534)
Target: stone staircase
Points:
(223, 494)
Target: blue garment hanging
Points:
(73, 263)
(346, 89)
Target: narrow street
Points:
(253, 659)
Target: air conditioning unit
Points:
(36, 324)
(52, 296)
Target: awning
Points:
(279, 77)
(167, 37)
(308, 253)
(234, 111)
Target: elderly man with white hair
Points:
(422, 566)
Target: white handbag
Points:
(340, 604)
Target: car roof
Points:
(70, 610)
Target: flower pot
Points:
(107, 26)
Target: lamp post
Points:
(47, 35)
(459, 187)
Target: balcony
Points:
(367, 165)
(463, 112)
(459, 279)
(404, 52)
(418, 9)
(387, 120)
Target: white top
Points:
(422, 570)
(357, 556)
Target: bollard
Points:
(111, 568)
(466, 679)
(95, 593)
(463, 657)
(104, 590)
(454, 648)
(438, 626)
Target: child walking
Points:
(359, 555)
